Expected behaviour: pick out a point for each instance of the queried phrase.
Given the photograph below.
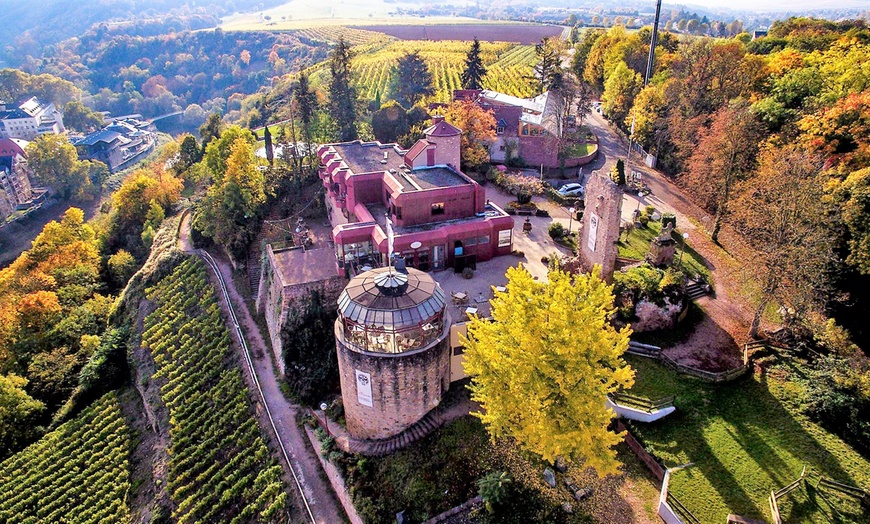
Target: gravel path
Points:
(321, 499)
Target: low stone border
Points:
(465, 506)
(335, 480)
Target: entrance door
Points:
(438, 257)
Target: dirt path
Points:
(715, 344)
(318, 492)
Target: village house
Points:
(15, 186)
(119, 144)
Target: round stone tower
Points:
(392, 341)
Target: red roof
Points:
(415, 150)
(12, 147)
(442, 128)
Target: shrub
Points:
(669, 218)
(838, 397)
(617, 172)
(467, 273)
(492, 488)
(556, 230)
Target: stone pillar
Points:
(601, 219)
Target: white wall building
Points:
(30, 119)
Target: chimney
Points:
(437, 119)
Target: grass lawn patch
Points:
(746, 438)
(635, 246)
(441, 472)
(582, 149)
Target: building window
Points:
(398, 212)
(483, 240)
(504, 238)
(499, 130)
(438, 208)
(502, 148)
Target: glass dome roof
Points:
(387, 299)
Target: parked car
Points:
(572, 190)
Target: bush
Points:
(556, 231)
(467, 273)
(669, 218)
(617, 173)
(838, 398)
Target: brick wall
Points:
(604, 206)
(404, 387)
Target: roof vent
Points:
(392, 171)
(386, 155)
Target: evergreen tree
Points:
(306, 103)
(472, 77)
(270, 152)
(342, 95)
(413, 79)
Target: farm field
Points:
(220, 469)
(746, 438)
(509, 67)
(79, 472)
(504, 32)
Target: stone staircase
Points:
(696, 290)
(254, 275)
(423, 427)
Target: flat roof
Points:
(366, 157)
(430, 178)
(300, 266)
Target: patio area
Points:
(535, 245)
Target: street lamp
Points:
(683, 250)
(570, 219)
(323, 407)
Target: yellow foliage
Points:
(543, 365)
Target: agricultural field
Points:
(79, 472)
(331, 34)
(509, 67)
(504, 32)
(220, 469)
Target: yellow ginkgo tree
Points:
(544, 364)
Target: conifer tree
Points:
(472, 77)
(306, 102)
(414, 81)
(342, 95)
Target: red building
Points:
(440, 217)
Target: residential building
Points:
(119, 144)
(440, 217)
(16, 191)
(525, 127)
(30, 119)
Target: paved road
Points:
(323, 506)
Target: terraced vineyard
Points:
(77, 473)
(220, 469)
(331, 34)
(509, 67)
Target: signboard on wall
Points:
(593, 232)
(504, 238)
(363, 388)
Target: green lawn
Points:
(745, 438)
(635, 246)
(581, 149)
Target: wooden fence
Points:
(655, 352)
(641, 403)
(651, 463)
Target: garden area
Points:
(635, 244)
(446, 469)
(746, 439)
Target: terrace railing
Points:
(643, 404)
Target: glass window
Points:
(504, 238)
(438, 208)
(483, 240)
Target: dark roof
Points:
(366, 157)
(100, 136)
(405, 301)
(442, 128)
(14, 113)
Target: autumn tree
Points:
(781, 214)
(725, 155)
(478, 131)
(18, 414)
(80, 117)
(543, 366)
(413, 79)
(342, 94)
(621, 87)
(121, 267)
(211, 129)
(233, 204)
(472, 76)
(55, 162)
